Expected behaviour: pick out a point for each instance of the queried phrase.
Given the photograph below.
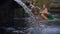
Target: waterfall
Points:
(27, 10)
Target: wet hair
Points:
(35, 10)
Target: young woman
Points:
(45, 13)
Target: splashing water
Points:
(27, 10)
(36, 27)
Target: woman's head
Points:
(44, 6)
(35, 11)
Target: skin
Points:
(44, 17)
(46, 12)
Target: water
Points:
(48, 30)
(38, 26)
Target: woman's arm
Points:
(43, 16)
